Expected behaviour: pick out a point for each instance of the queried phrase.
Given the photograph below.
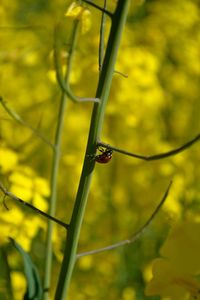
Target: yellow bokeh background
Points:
(155, 109)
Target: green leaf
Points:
(34, 288)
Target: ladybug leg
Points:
(94, 156)
(101, 149)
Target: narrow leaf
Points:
(34, 288)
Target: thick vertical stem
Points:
(118, 21)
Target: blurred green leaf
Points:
(34, 288)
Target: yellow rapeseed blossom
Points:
(39, 201)
(31, 59)
(19, 226)
(141, 86)
(128, 294)
(41, 186)
(25, 184)
(85, 263)
(78, 12)
(18, 283)
(175, 275)
(26, 231)
(8, 160)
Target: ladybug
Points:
(105, 156)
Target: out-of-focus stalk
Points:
(55, 167)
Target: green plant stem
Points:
(118, 22)
(64, 85)
(55, 169)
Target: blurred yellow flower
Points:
(21, 178)
(25, 184)
(21, 192)
(18, 283)
(8, 159)
(78, 12)
(31, 59)
(19, 226)
(85, 263)
(128, 294)
(41, 186)
(40, 202)
(176, 274)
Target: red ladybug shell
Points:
(105, 157)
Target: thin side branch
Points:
(120, 73)
(99, 8)
(64, 84)
(138, 233)
(12, 196)
(18, 119)
(156, 156)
